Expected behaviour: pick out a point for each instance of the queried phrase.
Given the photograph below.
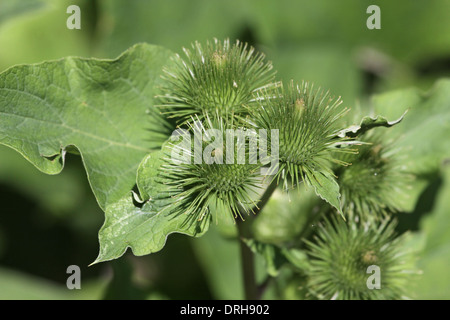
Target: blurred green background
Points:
(50, 222)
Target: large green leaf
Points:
(434, 259)
(144, 228)
(425, 130)
(103, 109)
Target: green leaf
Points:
(423, 134)
(144, 229)
(327, 188)
(366, 124)
(147, 182)
(437, 224)
(434, 259)
(101, 108)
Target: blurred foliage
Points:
(435, 258)
(285, 215)
(323, 41)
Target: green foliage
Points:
(432, 246)
(424, 132)
(285, 215)
(178, 195)
(109, 113)
(366, 124)
(57, 107)
(144, 228)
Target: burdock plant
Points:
(233, 85)
(240, 136)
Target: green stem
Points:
(247, 257)
(248, 265)
(265, 197)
